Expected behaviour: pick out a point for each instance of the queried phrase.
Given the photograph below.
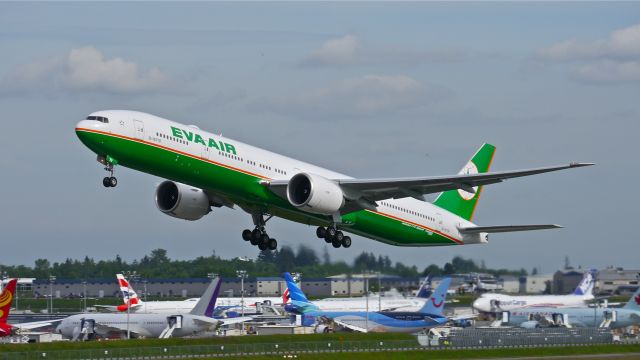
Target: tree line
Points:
(268, 263)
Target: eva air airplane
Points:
(206, 170)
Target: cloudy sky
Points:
(366, 89)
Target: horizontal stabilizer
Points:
(506, 228)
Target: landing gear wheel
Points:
(264, 239)
(339, 236)
(106, 182)
(321, 232)
(346, 242)
(272, 244)
(327, 239)
(246, 235)
(256, 234)
(113, 181)
(263, 246)
(336, 244)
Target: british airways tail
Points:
(129, 296)
(435, 304)
(585, 287)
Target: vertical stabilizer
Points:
(435, 304)
(129, 296)
(634, 302)
(295, 294)
(425, 288)
(585, 287)
(461, 202)
(6, 298)
(207, 302)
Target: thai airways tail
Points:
(6, 298)
(129, 296)
(299, 303)
(585, 287)
(207, 303)
(634, 301)
(435, 303)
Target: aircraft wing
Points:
(235, 320)
(109, 308)
(363, 193)
(505, 228)
(350, 326)
(35, 324)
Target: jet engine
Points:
(182, 201)
(531, 324)
(315, 194)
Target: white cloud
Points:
(607, 72)
(360, 96)
(350, 50)
(606, 61)
(338, 51)
(84, 69)
(621, 44)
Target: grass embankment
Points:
(253, 339)
(468, 354)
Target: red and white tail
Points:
(129, 296)
(6, 298)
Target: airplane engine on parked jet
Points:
(315, 194)
(182, 201)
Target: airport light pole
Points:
(129, 275)
(52, 279)
(366, 292)
(242, 274)
(379, 292)
(84, 295)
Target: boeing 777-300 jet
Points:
(205, 170)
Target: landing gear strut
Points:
(109, 181)
(334, 236)
(259, 237)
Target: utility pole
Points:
(84, 296)
(52, 279)
(379, 292)
(242, 274)
(366, 290)
(129, 275)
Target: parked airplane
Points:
(154, 325)
(208, 170)
(491, 303)
(430, 315)
(614, 318)
(6, 298)
(131, 299)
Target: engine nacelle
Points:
(182, 201)
(531, 324)
(315, 194)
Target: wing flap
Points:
(506, 228)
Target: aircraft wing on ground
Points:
(108, 308)
(363, 193)
(35, 324)
(350, 326)
(235, 320)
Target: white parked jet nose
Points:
(482, 304)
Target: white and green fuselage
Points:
(237, 172)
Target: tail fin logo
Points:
(637, 298)
(437, 305)
(468, 169)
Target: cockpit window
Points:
(99, 118)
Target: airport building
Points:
(617, 281)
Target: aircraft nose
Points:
(480, 304)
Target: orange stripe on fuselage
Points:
(419, 225)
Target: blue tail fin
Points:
(435, 303)
(294, 291)
(585, 287)
(425, 288)
(634, 302)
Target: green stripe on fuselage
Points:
(246, 190)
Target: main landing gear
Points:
(259, 237)
(334, 236)
(109, 181)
